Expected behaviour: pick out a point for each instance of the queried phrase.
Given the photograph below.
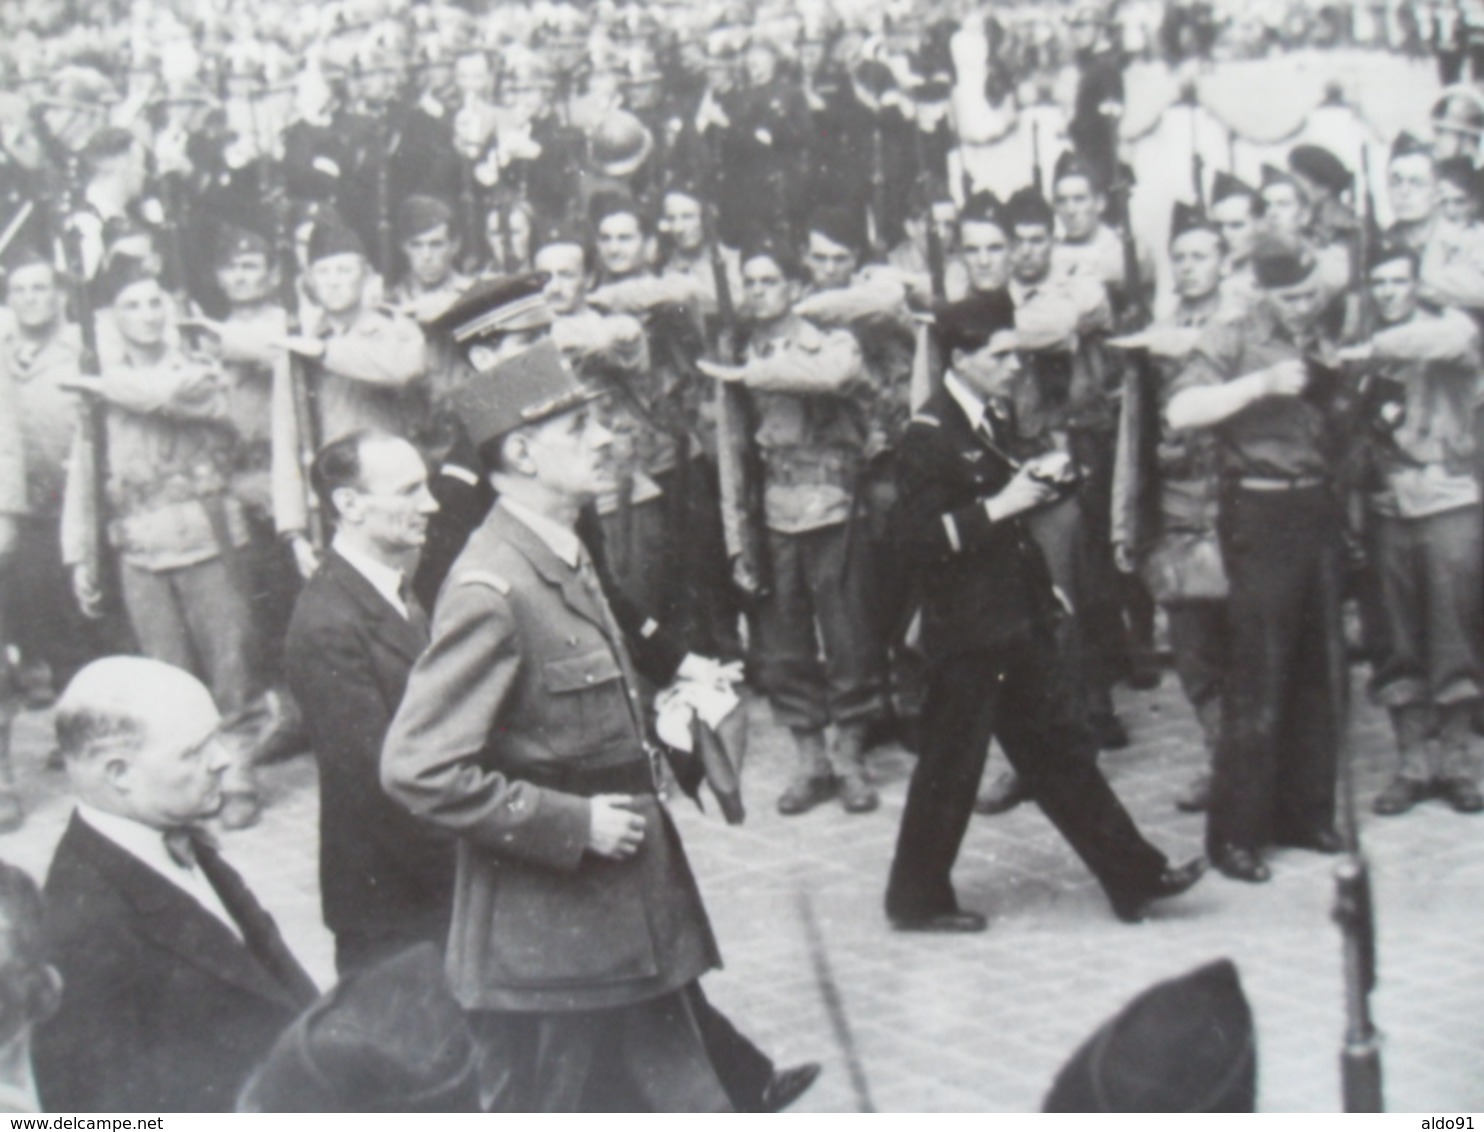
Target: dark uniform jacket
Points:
(165, 1010)
(977, 582)
(348, 653)
(522, 708)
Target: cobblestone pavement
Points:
(983, 1022)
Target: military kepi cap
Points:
(331, 238)
(1183, 1045)
(495, 306)
(529, 387)
(391, 1038)
(971, 322)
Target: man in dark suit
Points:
(176, 980)
(386, 880)
(988, 616)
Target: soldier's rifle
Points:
(304, 393)
(97, 563)
(738, 457)
(877, 233)
(1038, 176)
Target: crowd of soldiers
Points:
(230, 239)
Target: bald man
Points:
(177, 981)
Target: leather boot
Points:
(813, 781)
(1412, 784)
(856, 794)
(1457, 781)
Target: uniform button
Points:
(572, 642)
(589, 677)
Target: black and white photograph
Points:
(825, 556)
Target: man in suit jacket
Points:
(176, 981)
(988, 613)
(386, 880)
(578, 934)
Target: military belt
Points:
(632, 777)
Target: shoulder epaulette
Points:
(926, 419)
(485, 578)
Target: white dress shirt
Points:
(383, 578)
(148, 845)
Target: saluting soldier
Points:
(811, 394)
(365, 363)
(1280, 531)
(1166, 488)
(172, 517)
(1425, 533)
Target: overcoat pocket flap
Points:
(574, 673)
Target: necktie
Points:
(415, 615)
(181, 843)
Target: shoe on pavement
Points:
(1171, 882)
(1461, 794)
(1240, 864)
(788, 1085)
(857, 795)
(1316, 841)
(803, 794)
(1196, 796)
(957, 921)
(1400, 796)
(1004, 794)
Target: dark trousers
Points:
(1274, 776)
(40, 616)
(1200, 633)
(648, 1057)
(1431, 579)
(669, 557)
(819, 604)
(1016, 691)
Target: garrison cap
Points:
(391, 1038)
(233, 240)
(1278, 263)
(1224, 186)
(762, 243)
(1408, 144)
(500, 305)
(1069, 164)
(419, 214)
(1028, 206)
(839, 225)
(1184, 1045)
(971, 322)
(332, 237)
(531, 386)
(1272, 175)
(1319, 165)
(1385, 251)
(983, 208)
(1189, 218)
(119, 274)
